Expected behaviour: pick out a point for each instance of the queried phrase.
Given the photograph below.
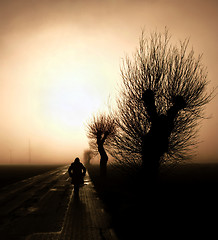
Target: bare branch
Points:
(178, 81)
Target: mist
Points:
(60, 61)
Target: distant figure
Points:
(77, 171)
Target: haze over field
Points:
(60, 60)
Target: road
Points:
(44, 207)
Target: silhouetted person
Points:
(77, 171)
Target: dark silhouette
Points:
(156, 142)
(87, 156)
(104, 157)
(160, 105)
(77, 172)
(100, 131)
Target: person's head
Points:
(77, 160)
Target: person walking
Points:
(77, 172)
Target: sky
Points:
(60, 63)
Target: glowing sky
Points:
(60, 61)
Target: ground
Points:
(184, 201)
(44, 207)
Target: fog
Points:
(60, 62)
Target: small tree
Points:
(87, 156)
(161, 101)
(101, 130)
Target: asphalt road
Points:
(44, 208)
(37, 204)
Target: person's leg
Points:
(76, 189)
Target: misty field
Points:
(184, 200)
(13, 173)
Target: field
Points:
(184, 201)
(13, 173)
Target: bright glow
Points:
(69, 104)
(60, 61)
(57, 89)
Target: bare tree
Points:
(101, 130)
(87, 156)
(162, 98)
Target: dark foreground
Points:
(44, 207)
(183, 203)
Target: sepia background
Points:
(60, 63)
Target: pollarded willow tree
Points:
(101, 130)
(161, 101)
(87, 156)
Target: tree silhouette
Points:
(87, 156)
(101, 130)
(161, 101)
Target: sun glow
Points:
(60, 83)
(72, 80)
(60, 61)
(69, 104)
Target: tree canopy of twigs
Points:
(172, 76)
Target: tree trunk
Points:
(103, 168)
(103, 161)
(150, 168)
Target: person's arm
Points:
(84, 170)
(69, 171)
